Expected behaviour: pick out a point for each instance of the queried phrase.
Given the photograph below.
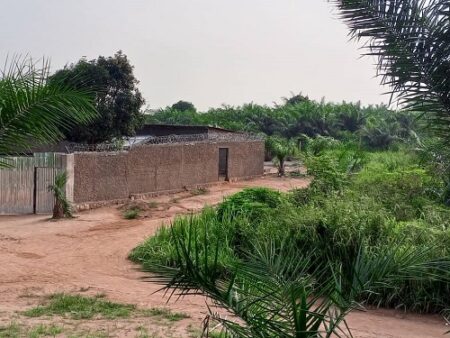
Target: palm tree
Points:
(410, 39)
(281, 149)
(62, 207)
(32, 110)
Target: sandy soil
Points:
(88, 255)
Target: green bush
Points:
(161, 249)
(254, 203)
(351, 215)
(131, 213)
(328, 176)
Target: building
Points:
(160, 159)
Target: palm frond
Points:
(32, 110)
(410, 39)
(272, 291)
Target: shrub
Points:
(161, 248)
(254, 203)
(318, 144)
(131, 213)
(371, 220)
(326, 172)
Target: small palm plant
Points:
(62, 207)
(281, 149)
(279, 289)
(272, 293)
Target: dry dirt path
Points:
(88, 254)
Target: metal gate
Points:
(24, 187)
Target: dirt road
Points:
(88, 255)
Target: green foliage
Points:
(292, 120)
(34, 110)
(43, 330)
(435, 155)
(295, 99)
(118, 100)
(79, 307)
(316, 145)
(62, 206)
(10, 331)
(351, 213)
(161, 248)
(183, 106)
(132, 213)
(270, 294)
(14, 330)
(281, 285)
(281, 149)
(253, 203)
(410, 40)
(165, 313)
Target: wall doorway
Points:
(223, 164)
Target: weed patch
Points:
(15, 330)
(80, 307)
(10, 331)
(165, 314)
(199, 191)
(131, 214)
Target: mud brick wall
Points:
(117, 175)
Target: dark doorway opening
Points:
(223, 164)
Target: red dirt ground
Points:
(89, 254)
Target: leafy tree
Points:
(34, 110)
(62, 207)
(118, 99)
(183, 106)
(281, 149)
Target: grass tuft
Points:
(165, 313)
(14, 330)
(43, 330)
(131, 213)
(80, 307)
(11, 330)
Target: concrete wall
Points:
(153, 168)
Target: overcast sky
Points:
(208, 52)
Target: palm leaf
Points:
(273, 292)
(32, 110)
(410, 39)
